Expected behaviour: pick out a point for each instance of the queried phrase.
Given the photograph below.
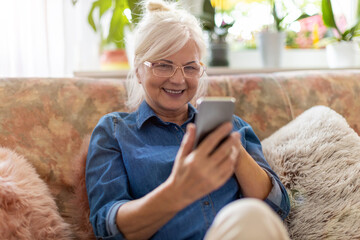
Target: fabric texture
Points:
(77, 206)
(317, 158)
(46, 119)
(339, 90)
(27, 209)
(247, 219)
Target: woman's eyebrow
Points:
(169, 61)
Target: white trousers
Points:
(247, 219)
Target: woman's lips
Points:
(173, 92)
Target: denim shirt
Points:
(130, 154)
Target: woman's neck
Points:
(177, 117)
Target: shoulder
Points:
(115, 118)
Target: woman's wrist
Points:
(254, 180)
(173, 195)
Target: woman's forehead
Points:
(187, 54)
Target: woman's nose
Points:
(178, 76)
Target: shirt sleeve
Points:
(106, 179)
(278, 198)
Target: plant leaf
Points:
(303, 16)
(208, 16)
(328, 15)
(349, 34)
(135, 8)
(90, 16)
(117, 25)
(104, 5)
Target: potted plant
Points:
(340, 48)
(217, 33)
(112, 24)
(271, 41)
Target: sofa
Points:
(47, 121)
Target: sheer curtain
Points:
(46, 38)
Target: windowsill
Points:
(244, 62)
(121, 74)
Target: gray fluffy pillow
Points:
(317, 157)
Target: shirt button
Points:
(206, 203)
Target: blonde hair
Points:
(163, 31)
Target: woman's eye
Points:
(190, 68)
(163, 66)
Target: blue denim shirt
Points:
(130, 154)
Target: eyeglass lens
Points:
(167, 70)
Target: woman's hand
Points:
(205, 169)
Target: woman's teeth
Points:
(173, 91)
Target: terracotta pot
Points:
(114, 60)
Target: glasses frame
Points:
(151, 64)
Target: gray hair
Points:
(163, 31)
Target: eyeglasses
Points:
(160, 69)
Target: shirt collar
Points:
(145, 112)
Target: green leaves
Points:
(118, 20)
(117, 24)
(328, 15)
(276, 17)
(103, 6)
(329, 21)
(135, 10)
(208, 16)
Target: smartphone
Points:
(212, 112)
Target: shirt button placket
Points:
(179, 132)
(208, 209)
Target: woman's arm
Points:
(255, 176)
(253, 180)
(195, 174)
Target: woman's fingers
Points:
(208, 145)
(187, 143)
(198, 173)
(227, 147)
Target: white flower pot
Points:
(271, 46)
(341, 54)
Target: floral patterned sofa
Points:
(46, 119)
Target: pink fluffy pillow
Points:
(27, 209)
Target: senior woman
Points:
(143, 178)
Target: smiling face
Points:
(169, 96)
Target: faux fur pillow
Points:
(27, 209)
(317, 157)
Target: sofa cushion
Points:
(45, 120)
(335, 88)
(27, 209)
(77, 206)
(260, 100)
(317, 158)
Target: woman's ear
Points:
(138, 75)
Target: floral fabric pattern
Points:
(46, 119)
(260, 100)
(337, 89)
